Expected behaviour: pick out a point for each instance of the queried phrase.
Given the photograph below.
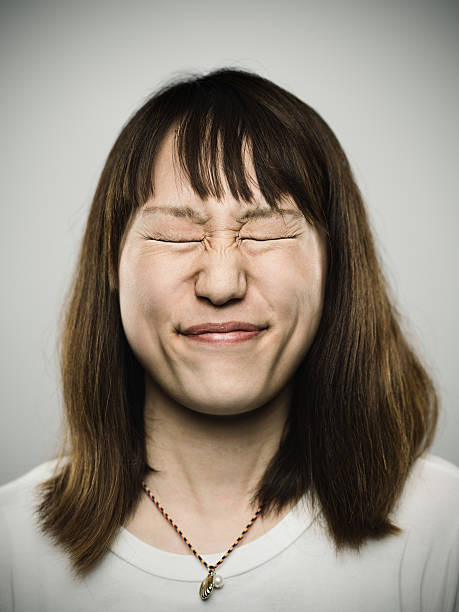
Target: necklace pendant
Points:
(207, 585)
(211, 581)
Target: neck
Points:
(209, 462)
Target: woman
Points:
(230, 355)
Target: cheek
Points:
(312, 268)
(295, 282)
(145, 288)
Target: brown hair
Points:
(363, 407)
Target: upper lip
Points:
(228, 326)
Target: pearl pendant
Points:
(218, 582)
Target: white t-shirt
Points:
(290, 568)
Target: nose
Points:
(221, 277)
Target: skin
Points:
(214, 414)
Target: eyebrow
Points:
(177, 211)
(190, 213)
(270, 212)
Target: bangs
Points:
(213, 147)
(220, 122)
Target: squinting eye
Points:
(157, 239)
(176, 241)
(172, 241)
(268, 239)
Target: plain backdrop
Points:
(382, 74)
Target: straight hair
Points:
(363, 407)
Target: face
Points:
(219, 262)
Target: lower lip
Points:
(234, 337)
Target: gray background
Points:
(382, 74)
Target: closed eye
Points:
(176, 241)
(241, 239)
(171, 241)
(269, 239)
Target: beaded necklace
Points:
(212, 580)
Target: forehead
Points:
(173, 194)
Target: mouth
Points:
(230, 332)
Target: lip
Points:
(218, 334)
(222, 328)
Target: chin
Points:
(226, 407)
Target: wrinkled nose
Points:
(221, 277)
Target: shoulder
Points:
(432, 474)
(430, 499)
(428, 515)
(23, 490)
(26, 553)
(19, 500)
(20, 533)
